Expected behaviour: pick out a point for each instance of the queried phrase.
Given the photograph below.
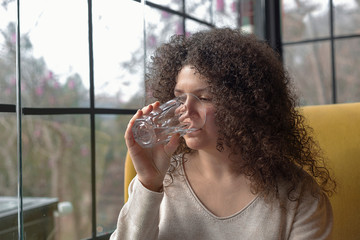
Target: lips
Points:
(193, 133)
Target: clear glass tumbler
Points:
(183, 114)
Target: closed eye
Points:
(204, 99)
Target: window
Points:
(81, 77)
(321, 47)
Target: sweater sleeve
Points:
(139, 217)
(313, 219)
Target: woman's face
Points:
(188, 81)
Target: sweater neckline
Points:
(206, 210)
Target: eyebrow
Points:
(200, 90)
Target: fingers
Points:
(151, 107)
(172, 145)
(156, 105)
(146, 110)
(129, 138)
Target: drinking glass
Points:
(183, 114)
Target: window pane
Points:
(193, 27)
(8, 177)
(225, 13)
(172, 4)
(110, 154)
(118, 54)
(55, 63)
(347, 70)
(160, 26)
(259, 18)
(199, 9)
(310, 67)
(346, 17)
(57, 169)
(7, 52)
(8, 163)
(304, 20)
(246, 14)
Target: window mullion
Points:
(332, 45)
(92, 122)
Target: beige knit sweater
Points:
(178, 214)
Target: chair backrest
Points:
(129, 174)
(337, 129)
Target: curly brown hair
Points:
(254, 99)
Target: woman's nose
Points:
(188, 108)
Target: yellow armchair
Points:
(129, 174)
(337, 129)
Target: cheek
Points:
(210, 120)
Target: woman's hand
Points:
(151, 164)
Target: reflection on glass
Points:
(56, 169)
(347, 53)
(304, 20)
(309, 66)
(346, 17)
(110, 154)
(200, 9)
(118, 54)
(54, 64)
(7, 52)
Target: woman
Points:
(252, 171)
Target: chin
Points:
(195, 143)
(192, 143)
